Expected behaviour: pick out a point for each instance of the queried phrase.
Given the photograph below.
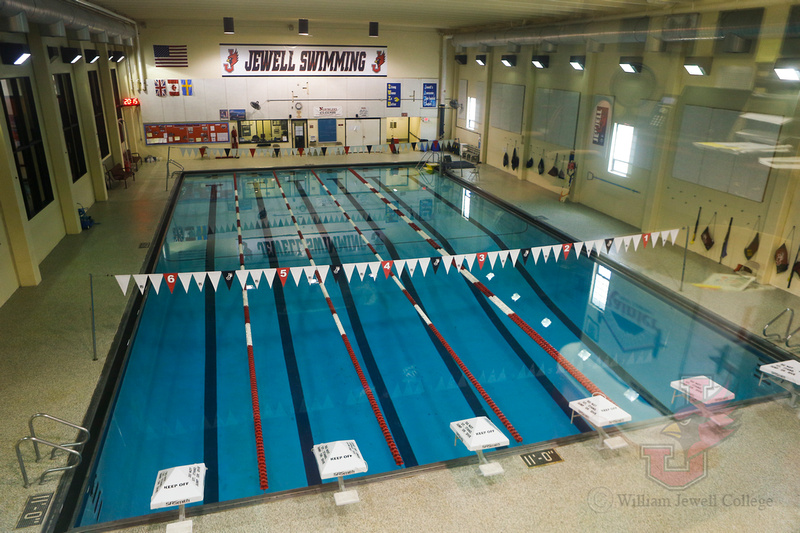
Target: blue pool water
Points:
(185, 392)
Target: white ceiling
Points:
(442, 14)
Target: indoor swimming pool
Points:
(185, 394)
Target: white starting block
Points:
(703, 392)
(599, 412)
(785, 374)
(338, 459)
(178, 486)
(478, 434)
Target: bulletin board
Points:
(555, 116)
(508, 103)
(200, 132)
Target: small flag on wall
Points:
(171, 55)
(173, 87)
(161, 87)
(186, 87)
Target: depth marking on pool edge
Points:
(35, 510)
(541, 458)
(144, 245)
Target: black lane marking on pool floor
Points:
(290, 358)
(501, 328)
(600, 352)
(389, 411)
(210, 426)
(460, 379)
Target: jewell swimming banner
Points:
(284, 60)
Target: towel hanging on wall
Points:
(782, 255)
(752, 248)
(708, 240)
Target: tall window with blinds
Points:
(70, 124)
(97, 111)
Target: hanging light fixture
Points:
(480, 59)
(461, 59)
(91, 55)
(509, 60)
(14, 53)
(302, 27)
(227, 25)
(577, 62)
(373, 29)
(70, 55)
(540, 61)
(697, 66)
(631, 64)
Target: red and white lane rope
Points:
(387, 434)
(496, 301)
(469, 375)
(262, 462)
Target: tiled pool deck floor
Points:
(751, 476)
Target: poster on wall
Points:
(285, 60)
(392, 95)
(428, 95)
(202, 132)
(601, 120)
(324, 111)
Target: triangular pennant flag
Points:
(369, 148)
(283, 275)
(255, 275)
(123, 280)
(336, 271)
(447, 261)
(492, 258)
(348, 270)
(141, 281)
(323, 272)
(423, 264)
(387, 268)
(411, 265)
(535, 252)
(227, 152)
(324, 150)
(213, 277)
(566, 247)
(374, 268)
(310, 272)
(347, 151)
(458, 260)
(300, 151)
(546, 252)
(578, 248)
(645, 239)
(155, 281)
(398, 265)
(503, 256)
(609, 243)
(654, 236)
(362, 269)
(413, 145)
(618, 243)
(481, 260)
(297, 272)
(202, 151)
(526, 253)
(470, 259)
(626, 241)
(228, 276)
(556, 249)
(269, 274)
(513, 254)
(253, 152)
(435, 262)
(199, 279)
(673, 235)
(242, 275)
(636, 240)
(171, 279)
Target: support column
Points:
(109, 105)
(91, 145)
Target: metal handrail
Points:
(55, 446)
(786, 336)
(60, 446)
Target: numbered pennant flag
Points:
(470, 259)
(556, 248)
(141, 281)
(566, 247)
(503, 254)
(123, 281)
(435, 261)
(492, 258)
(645, 239)
(362, 269)
(545, 253)
(242, 275)
(636, 240)
(627, 241)
(673, 234)
(283, 275)
(348, 270)
(374, 268)
(411, 265)
(535, 253)
(423, 265)
(578, 247)
(323, 272)
(155, 281)
(171, 279)
(398, 265)
(387, 268)
(228, 276)
(297, 272)
(513, 254)
(481, 260)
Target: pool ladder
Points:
(787, 336)
(68, 447)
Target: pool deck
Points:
(745, 484)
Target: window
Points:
(117, 101)
(97, 110)
(26, 143)
(472, 110)
(621, 149)
(602, 278)
(72, 129)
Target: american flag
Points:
(161, 88)
(168, 55)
